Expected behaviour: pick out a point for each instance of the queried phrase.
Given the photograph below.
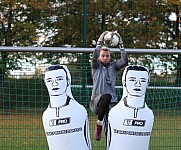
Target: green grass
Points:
(23, 130)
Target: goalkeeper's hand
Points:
(120, 44)
(100, 41)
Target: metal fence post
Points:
(84, 55)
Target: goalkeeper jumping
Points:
(104, 74)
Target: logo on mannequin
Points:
(133, 122)
(62, 121)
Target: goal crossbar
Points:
(84, 50)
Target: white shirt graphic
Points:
(65, 121)
(130, 122)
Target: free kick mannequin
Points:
(131, 121)
(65, 121)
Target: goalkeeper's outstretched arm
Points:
(120, 63)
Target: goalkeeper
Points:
(104, 79)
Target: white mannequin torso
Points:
(129, 127)
(64, 127)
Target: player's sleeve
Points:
(120, 63)
(96, 53)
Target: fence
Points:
(24, 96)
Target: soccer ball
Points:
(111, 39)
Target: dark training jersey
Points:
(104, 77)
(104, 80)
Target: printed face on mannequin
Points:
(136, 82)
(56, 82)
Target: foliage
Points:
(141, 23)
(20, 25)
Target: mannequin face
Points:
(56, 82)
(136, 82)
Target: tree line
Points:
(57, 23)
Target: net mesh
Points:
(143, 24)
(24, 98)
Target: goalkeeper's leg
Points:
(102, 107)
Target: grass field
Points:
(22, 130)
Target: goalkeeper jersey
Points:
(104, 76)
(104, 80)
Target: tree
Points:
(19, 26)
(142, 24)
